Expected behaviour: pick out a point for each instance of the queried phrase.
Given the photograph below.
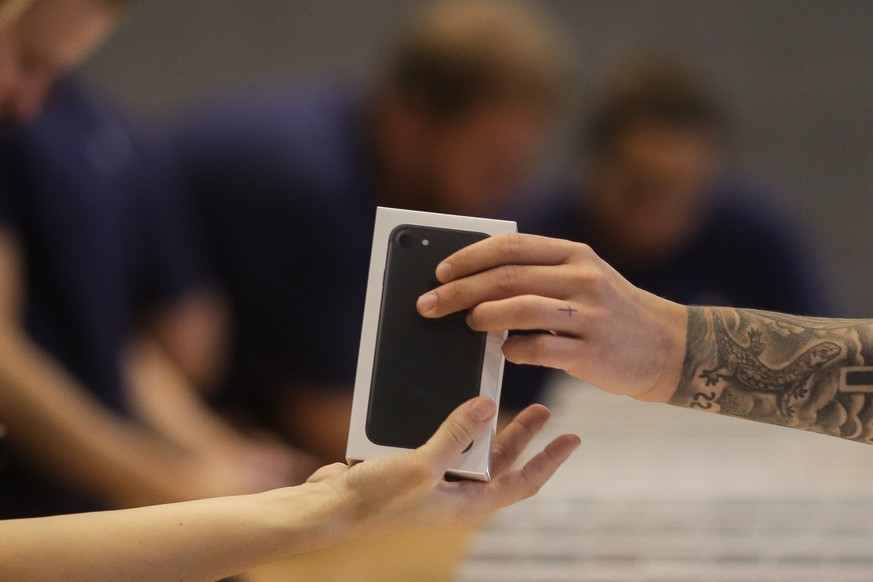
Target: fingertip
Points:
(426, 304)
(574, 439)
(475, 322)
(540, 409)
(566, 443)
(483, 408)
(514, 349)
(534, 415)
(444, 272)
(511, 353)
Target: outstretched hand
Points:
(604, 330)
(410, 490)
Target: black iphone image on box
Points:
(423, 368)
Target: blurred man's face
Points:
(480, 160)
(468, 165)
(649, 192)
(48, 40)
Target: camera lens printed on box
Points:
(423, 368)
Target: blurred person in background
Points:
(285, 187)
(100, 299)
(656, 198)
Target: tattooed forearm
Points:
(804, 372)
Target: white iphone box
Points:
(413, 371)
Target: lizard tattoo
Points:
(742, 365)
(825, 364)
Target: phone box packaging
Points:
(474, 463)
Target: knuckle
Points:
(421, 471)
(597, 280)
(602, 284)
(424, 473)
(524, 426)
(507, 279)
(531, 485)
(498, 452)
(591, 279)
(461, 258)
(460, 433)
(583, 252)
(450, 294)
(598, 318)
(511, 244)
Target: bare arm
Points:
(210, 539)
(164, 398)
(193, 334)
(199, 540)
(57, 424)
(801, 372)
(174, 360)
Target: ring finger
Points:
(527, 312)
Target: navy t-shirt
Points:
(102, 242)
(746, 254)
(285, 191)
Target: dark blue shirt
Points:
(102, 243)
(746, 253)
(286, 193)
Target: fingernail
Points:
(443, 271)
(484, 409)
(427, 302)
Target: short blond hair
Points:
(661, 88)
(456, 54)
(118, 5)
(11, 11)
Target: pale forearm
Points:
(162, 397)
(199, 540)
(802, 372)
(210, 539)
(193, 333)
(53, 421)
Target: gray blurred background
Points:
(798, 74)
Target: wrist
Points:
(313, 515)
(672, 321)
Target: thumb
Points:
(465, 424)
